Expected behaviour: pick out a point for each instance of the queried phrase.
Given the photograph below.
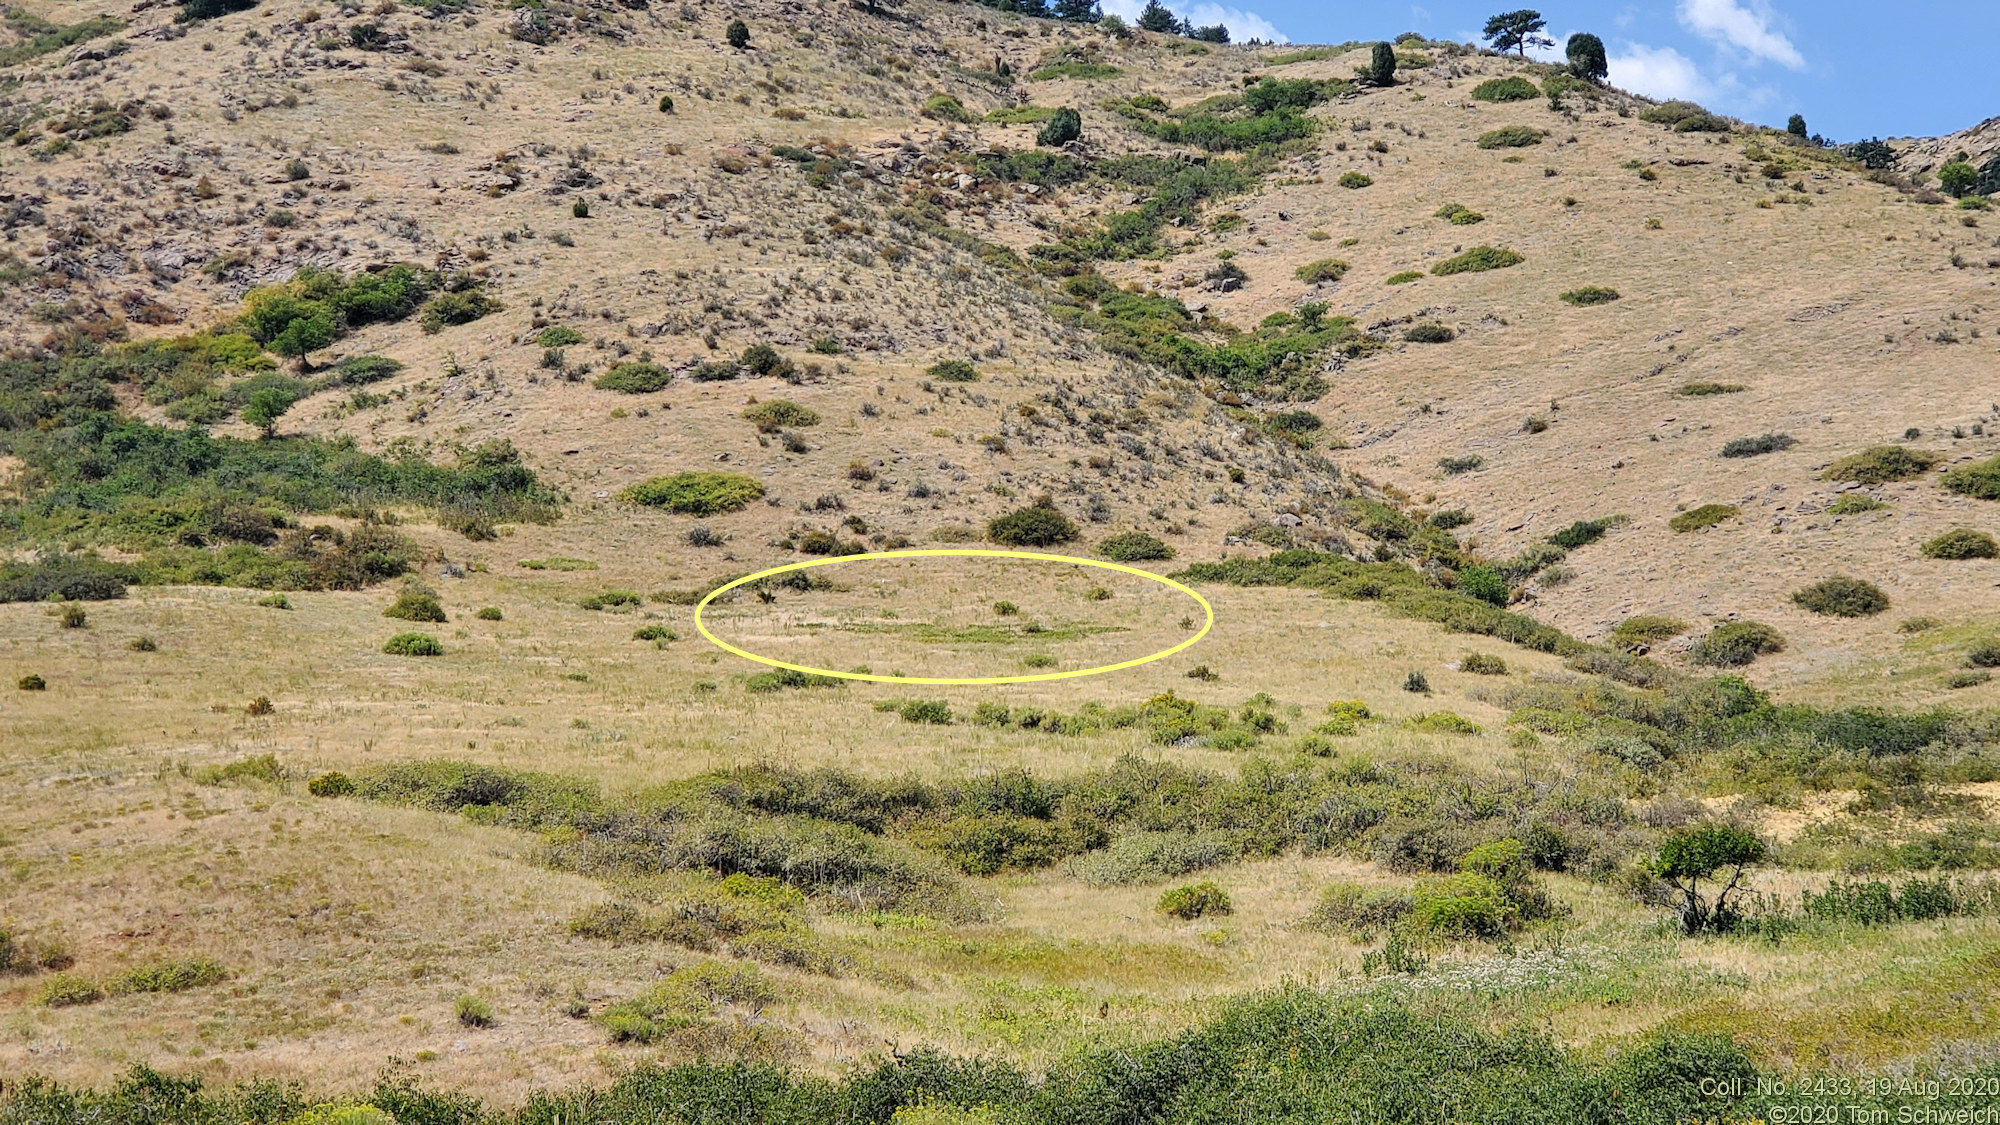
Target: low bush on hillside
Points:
(696, 493)
(413, 644)
(1855, 503)
(416, 605)
(777, 413)
(1962, 543)
(1038, 525)
(1134, 546)
(1758, 446)
(944, 107)
(1355, 180)
(1699, 390)
(1429, 332)
(1511, 136)
(1196, 900)
(1980, 481)
(168, 976)
(1736, 644)
(1881, 464)
(1590, 295)
(1482, 664)
(782, 679)
(1512, 88)
(636, 377)
(1459, 215)
(1706, 516)
(1842, 597)
(953, 371)
(1404, 278)
(1476, 260)
(1325, 269)
(1648, 629)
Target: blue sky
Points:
(1855, 68)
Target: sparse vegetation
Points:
(1596, 295)
(1881, 464)
(1511, 136)
(1704, 517)
(1700, 390)
(1962, 543)
(1512, 88)
(1476, 260)
(413, 644)
(1758, 446)
(1735, 644)
(696, 493)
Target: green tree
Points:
(1382, 65)
(1213, 33)
(1078, 11)
(1484, 583)
(304, 334)
(1586, 57)
(265, 407)
(1517, 31)
(1691, 856)
(1958, 177)
(738, 34)
(1158, 17)
(1797, 125)
(1062, 127)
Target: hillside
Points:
(1428, 390)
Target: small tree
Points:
(1691, 856)
(1958, 177)
(1158, 17)
(1213, 33)
(304, 334)
(265, 406)
(738, 34)
(1517, 31)
(1078, 11)
(1062, 127)
(1586, 57)
(1797, 125)
(1382, 65)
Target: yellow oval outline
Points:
(1207, 624)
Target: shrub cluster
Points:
(1476, 260)
(1842, 597)
(1134, 546)
(1704, 517)
(1962, 543)
(1881, 464)
(696, 493)
(1758, 446)
(1511, 136)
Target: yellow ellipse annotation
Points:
(1208, 619)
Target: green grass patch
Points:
(557, 562)
(1704, 517)
(1512, 88)
(1980, 481)
(1405, 277)
(1702, 390)
(1590, 295)
(1881, 464)
(696, 493)
(1510, 136)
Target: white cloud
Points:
(1747, 29)
(1657, 72)
(1241, 24)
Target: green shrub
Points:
(258, 767)
(1476, 260)
(331, 784)
(32, 682)
(1648, 629)
(1459, 215)
(559, 336)
(65, 990)
(1980, 481)
(1672, 112)
(1152, 857)
(1590, 295)
(471, 1011)
(1736, 644)
(1512, 88)
(1325, 269)
(413, 644)
(1855, 503)
(1038, 525)
(696, 493)
(1429, 332)
(1405, 277)
(935, 712)
(1196, 900)
(1985, 654)
(1466, 905)
(782, 678)
(1758, 446)
(1966, 678)
(169, 976)
(557, 562)
(1842, 597)
(1706, 516)
(415, 605)
(1355, 180)
(1511, 136)
(1443, 722)
(1962, 543)
(1458, 466)
(778, 412)
(953, 371)
(461, 306)
(143, 644)
(1351, 909)
(1134, 546)
(1482, 664)
(612, 600)
(74, 616)
(944, 107)
(1062, 126)
(488, 613)
(1698, 390)
(737, 34)
(635, 378)
(654, 633)
(1881, 464)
